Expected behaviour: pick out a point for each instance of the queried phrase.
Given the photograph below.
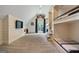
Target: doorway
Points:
(40, 25)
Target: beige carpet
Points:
(36, 43)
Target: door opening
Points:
(40, 24)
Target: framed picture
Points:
(32, 23)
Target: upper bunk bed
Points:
(70, 15)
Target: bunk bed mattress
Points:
(71, 48)
(66, 41)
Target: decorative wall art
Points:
(32, 23)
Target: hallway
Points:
(32, 43)
(22, 28)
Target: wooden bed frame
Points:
(68, 43)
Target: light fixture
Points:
(40, 14)
(40, 9)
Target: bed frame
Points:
(68, 43)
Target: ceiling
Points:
(26, 12)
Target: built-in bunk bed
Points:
(70, 46)
(66, 30)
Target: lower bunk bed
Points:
(68, 46)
